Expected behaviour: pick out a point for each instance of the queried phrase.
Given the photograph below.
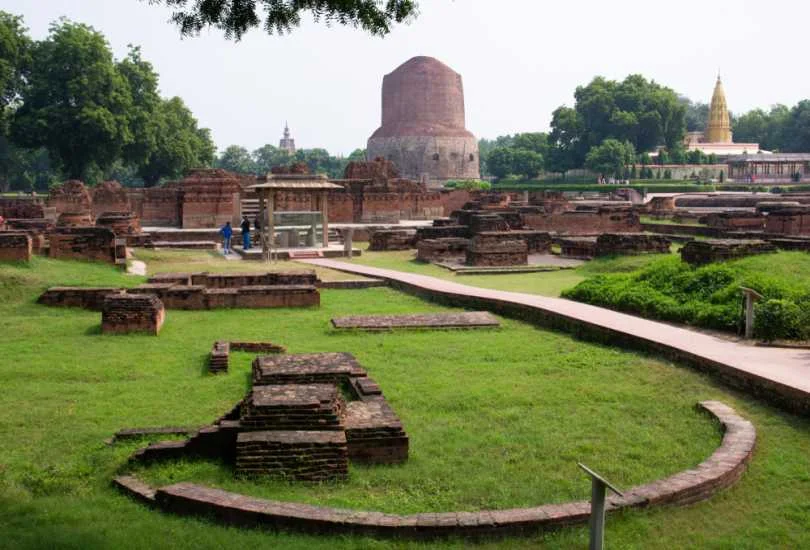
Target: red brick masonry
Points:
(721, 470)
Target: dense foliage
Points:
(709, 296)
(238, 159)
(782, 129)
(68, 109)
(235, 17)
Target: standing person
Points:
(227, 233)
(245, 233)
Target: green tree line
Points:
(238, 159)
(69, 109)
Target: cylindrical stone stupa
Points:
(423, 129)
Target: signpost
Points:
(597, 521)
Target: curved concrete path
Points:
(778, 374)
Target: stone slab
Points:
(470, 319)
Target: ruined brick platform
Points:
(85, 243)
(374, 433)
(125, 313)
(293, 407)
(219, 357)
(717, 250)
(719, 471)
(309, 368)
(537, 242)
(470, 319)
(15, 246)
(578, 247)
(484, 252)
(296, 455)
(392, 239)
(622, 244)
(440, 250)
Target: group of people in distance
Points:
(227, 232)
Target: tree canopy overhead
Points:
(236, 17)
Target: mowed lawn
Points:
(497, 418)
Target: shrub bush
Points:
(709, 296)
(777, 319)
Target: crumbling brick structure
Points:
(109, 196)
(716, 250)
(121, 223)
(294, 455)
(392, 239)
(85, 243)
(604, 219)
(789, 221)
(15, 246)
(441, 250)
(537, 242)
(210, 198)
(578, 247)
(620, 244)
(74, 219)
(125, 313)
(22, 208)
(736, 221)
(484, 252)
(71, 197)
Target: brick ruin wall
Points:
(489, 253)
(708, 251)
(604, 220)
(83, 243)
(125, 313)
(621, 244)
(15, 247)
(442, 249)
(788, 221)
(392, 239)
(109, 197)
(21, 208)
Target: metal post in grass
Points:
(751, 296)
(597, 521)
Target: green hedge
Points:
(708, 296)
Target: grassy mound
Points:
(709, 296)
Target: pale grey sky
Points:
(520, 59)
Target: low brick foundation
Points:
(469, 319)
(721, 470)
(293, 407)
(125, 313)
(307, 368)
(374, 433)
(296, 455)
(621, 244)
(704, 252)
(84, 243)
(578, 247)
(91, 298)
(15, 246)
(484, 252)
(122, 224)
(219, 357)
(392, 239)
(538, 242)
(441, 250)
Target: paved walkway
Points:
(788, 367)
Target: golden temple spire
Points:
(719, 128)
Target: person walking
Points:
(245, 233)
(227, 233)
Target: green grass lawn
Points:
(547, 283)
(190, 261)
(492, 424)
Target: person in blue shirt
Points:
(227, 233)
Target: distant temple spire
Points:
(718, 129)
(287, 143)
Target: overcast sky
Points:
(519, 59)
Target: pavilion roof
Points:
(296, 182)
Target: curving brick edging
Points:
(722, 469)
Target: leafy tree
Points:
(15, 65)
(143, 88)
(796, 136)
(180, 144)
(237, 159)
(267, 156)
(235, 17)
(635, 110)
(533, 141)
(500, 161)
(696, 115)
(610, 157)
(526, 163)
(77, 104)
(358, 155)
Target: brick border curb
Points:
(721, 470)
